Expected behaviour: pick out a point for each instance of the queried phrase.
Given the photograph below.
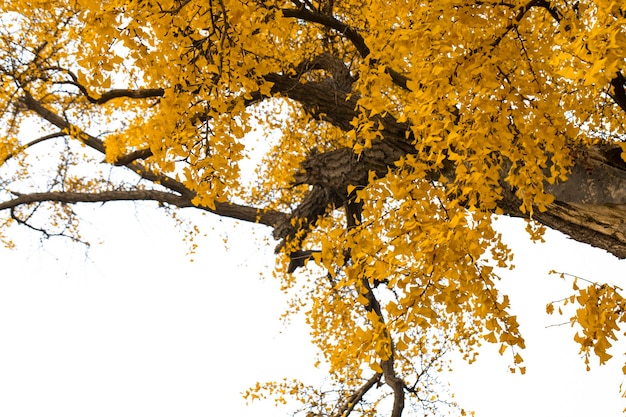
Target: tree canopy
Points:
(392, 133)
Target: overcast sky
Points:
(136, 329)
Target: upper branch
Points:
(31, 104)
(332, 23)
(349, 32)
(98, 145)
(115, 93)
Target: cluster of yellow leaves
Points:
(206, 57)
(599, 314)
(422, 256)
(477, 80)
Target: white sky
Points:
(136, 329)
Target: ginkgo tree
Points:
(400, 130)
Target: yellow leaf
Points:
(375, 366)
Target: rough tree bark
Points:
(590, 206)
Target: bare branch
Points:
(249, 214)
(46, 233)
(94, 197)
(31, 104)
(36, 141)
(236, 211)
(44, 138)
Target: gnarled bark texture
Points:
(590, 206)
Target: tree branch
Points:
(47, 234)
(358, 395)
(33, 105)
(122, 93)
(35, 142)
(98, 145)
(349, 32)
(388, 365)
(185, 195)
(133, 156)
(115, 93)
(236, 211)
(521, 12)
(619, 95)
(95, 197)
(332, 23)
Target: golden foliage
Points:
(447, 101)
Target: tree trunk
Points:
(590, 206)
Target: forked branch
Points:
(388, 365)
(358, 395)
(179, 195)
